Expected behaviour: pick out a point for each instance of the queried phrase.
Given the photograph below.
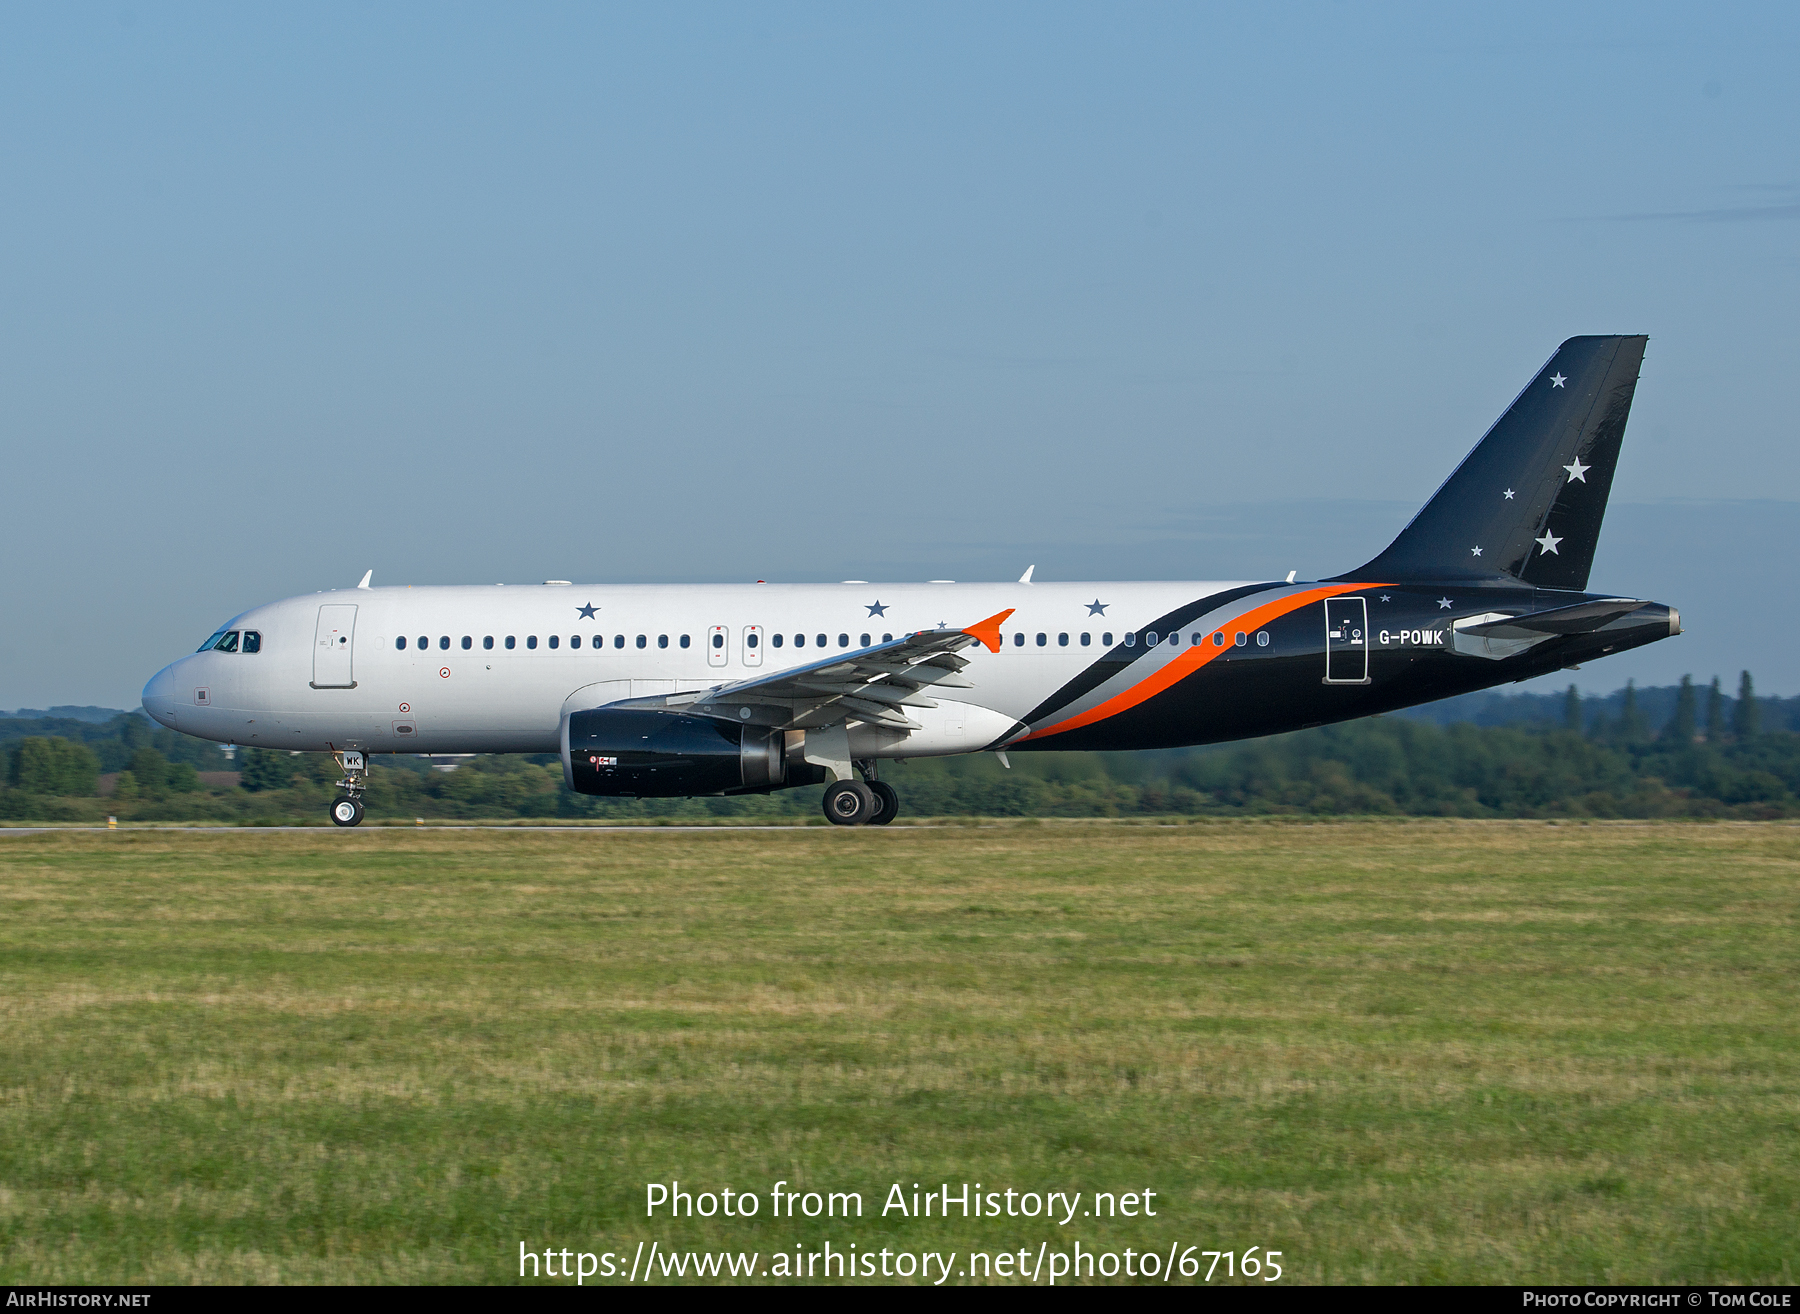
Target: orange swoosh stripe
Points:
(1191, 660)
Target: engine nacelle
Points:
(636, 752)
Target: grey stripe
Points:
(1154, 659)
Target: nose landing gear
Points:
(347, 808)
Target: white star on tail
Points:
(1474, 551)
(1557, 380)
(1578, 471)
(1508, 495)
(1444, 603)
(1548, 543)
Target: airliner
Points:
(686, 690)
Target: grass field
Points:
(1395, 1052)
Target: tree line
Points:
(1680, 750)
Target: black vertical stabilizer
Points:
(1526, 504)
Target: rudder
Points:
(1527, 502)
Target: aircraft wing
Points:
(875, 684)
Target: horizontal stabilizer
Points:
(1582, 618)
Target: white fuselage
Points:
(502, 663)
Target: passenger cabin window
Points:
(776, 640)
(488, 642)
(1150, 639)
(1019, 639)
(574, 640)
(468, 643)
(843, 640)
(865, 641)
(400, 643)
(749, 640)
(821, 640)
(642, 641)
(718, 640)
(887, 638)
(510, 641)
(1240, 639)
(599, 641)
(618, 640)
(1062, 641)
(1262, 638)
(531, 640)
(1218, 638)
(685, 640)
(799, 640)
(1106, 638)
(1042, 638)
(1130, 639)
(444, 643)
(555, 641)
(424, 643)
(252, 641)
(227, 642)
(1087, 640)
(662, 641)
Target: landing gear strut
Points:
(347, 807)
(865, 802)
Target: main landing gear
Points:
(865, 802)
(347, 807)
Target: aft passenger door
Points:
(1346, 641)
(334, 647)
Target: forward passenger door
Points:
(334, 647)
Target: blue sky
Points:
(823, 292)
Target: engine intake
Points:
(630, 752)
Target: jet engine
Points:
(635, 752)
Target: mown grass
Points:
(1396, 1052)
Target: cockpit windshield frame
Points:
(227, 639)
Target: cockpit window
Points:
(228, 643)
(252, 641)
(211, 639)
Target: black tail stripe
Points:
(1118, 657)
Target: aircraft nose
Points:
(159, 695)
